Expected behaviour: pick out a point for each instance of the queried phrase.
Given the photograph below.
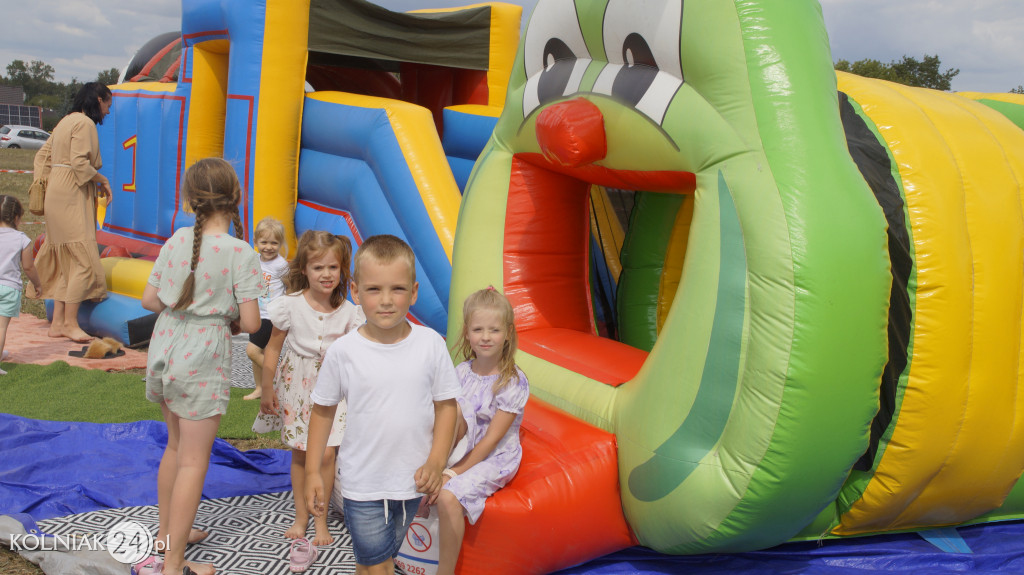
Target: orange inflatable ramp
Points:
(562, 508)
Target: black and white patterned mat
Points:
(245, 534)
(241, 365)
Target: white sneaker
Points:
(6, 354)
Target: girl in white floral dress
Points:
(309, 318)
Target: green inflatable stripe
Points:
(643, 259)
(680, 454)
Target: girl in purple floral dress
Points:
(308, 319)
(491, 403)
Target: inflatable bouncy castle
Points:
(757, 302)
(380, 146)
(820, 281)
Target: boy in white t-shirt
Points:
(400, 385)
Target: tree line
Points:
(36, 79)
(910, 71)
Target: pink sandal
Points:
(151, 566)
(302, 555)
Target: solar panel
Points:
(21, 115)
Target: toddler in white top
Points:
(269, 239)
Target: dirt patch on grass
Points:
(13, 564)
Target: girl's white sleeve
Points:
(358, 319)
(278, 313)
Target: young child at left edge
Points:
(15, 256)
(204, 284)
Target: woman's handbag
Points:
(37, 191)
(36, 196)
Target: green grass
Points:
(60, 392)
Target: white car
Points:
(13, 136)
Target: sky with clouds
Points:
(982, 38)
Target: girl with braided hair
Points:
(204, 284)
(15, 256)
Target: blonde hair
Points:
(491, 299)
(210, 187)
(272, 228)
(312, 245)
(385, 249)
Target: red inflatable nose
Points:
(572, 133)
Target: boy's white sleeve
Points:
(327, 390)
(446, 383)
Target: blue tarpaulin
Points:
(997, 548)
(52, 469)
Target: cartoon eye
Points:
(642, 45)
(555, 54)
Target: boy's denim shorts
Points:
(378, 527)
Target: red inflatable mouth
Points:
(547, 248)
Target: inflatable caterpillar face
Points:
(741, 424)
(785, 251)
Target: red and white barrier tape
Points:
(17, 171)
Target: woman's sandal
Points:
(302, 555)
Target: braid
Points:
(237, 221)
(10, 210)
(188, 288)
(197, 242)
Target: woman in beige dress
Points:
(69, 260)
